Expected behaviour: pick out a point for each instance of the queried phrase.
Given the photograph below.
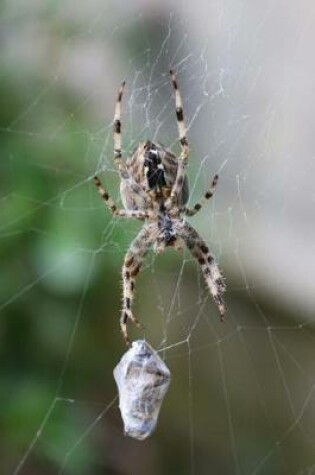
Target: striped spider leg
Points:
(183, 159)
(117, 129)
(197, 207)
(132, 263)
(200, 251)
(140, 214)
(126, 178)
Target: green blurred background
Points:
(241, 399)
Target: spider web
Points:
(242, 393)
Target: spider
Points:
(154, 189)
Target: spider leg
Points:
(180, 118)
(210, 270)
(132, 263)
(113, 208)
(117, 129)
(182, 162)
(209, 193)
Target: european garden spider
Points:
(154, 189)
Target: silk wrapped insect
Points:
(154, 188)
(142, 379)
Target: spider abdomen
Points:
(153, 168)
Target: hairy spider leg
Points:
(113, 208)
(183, 159)
(132, 263)
(210, 270)
(117, 129)
(197, 207)
(180, 118)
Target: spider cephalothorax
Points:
(154, 189)
(154, 169)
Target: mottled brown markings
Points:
(135, 271)
(204, 248)
(197, 206)
(166, 191)
(129, 261)
(180, 114)
(184, 141)
(117, 126)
